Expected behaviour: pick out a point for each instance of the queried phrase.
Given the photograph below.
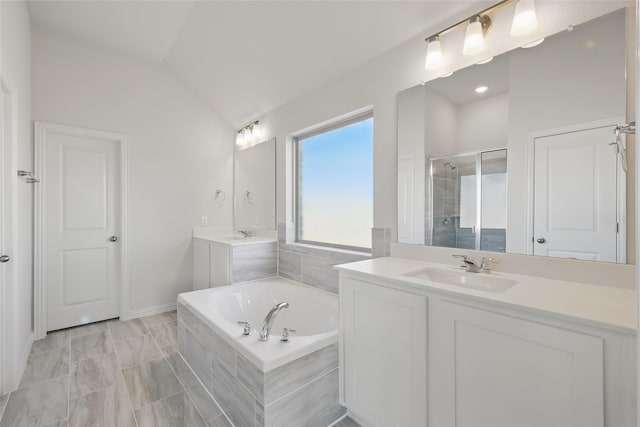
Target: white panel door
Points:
(494, 370)
(385, 354)
(7, 225)
(82, 205)
(575, 195)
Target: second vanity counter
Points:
(420, 346)
(606, 307)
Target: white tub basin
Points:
(479, 281)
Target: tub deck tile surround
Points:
(290, 265)
(314, 266)
(237, 402)
(251, 397)
(271, 386)
(255, 261)
(316, 404)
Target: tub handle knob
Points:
(285, 334)
(246, 327)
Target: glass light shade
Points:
(240, 138)
(247, 135)
(473, 39)
(256, 132)
(434, 55)
(525, 20)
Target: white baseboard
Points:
(148, 311)
(22, 365)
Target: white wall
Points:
(16, 63)
(180, 152)
(483, 124)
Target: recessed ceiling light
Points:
(533, 43)
(481, 89)
(485, 61)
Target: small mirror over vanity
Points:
(254, 186)
(519, 153)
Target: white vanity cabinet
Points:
(227, 260)
(211, 264)
(491, 369)
(472, 363)
(385, 364)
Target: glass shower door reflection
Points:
(468, 201)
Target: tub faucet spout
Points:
(268, 321)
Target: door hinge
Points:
(617, 227)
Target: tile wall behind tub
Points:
(314, 266)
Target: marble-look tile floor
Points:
(113, 374)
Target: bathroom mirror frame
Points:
(630, 37)
(255, 186)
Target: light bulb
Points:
(434, 54)
(247, 135)
(474, 38)
(256, 133)
(240, 138)
(525, 20)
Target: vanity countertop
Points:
(602, 306)
(230, 238)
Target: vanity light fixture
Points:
(249, 135)
(434, 53)
(481, 89)
(525, 20)
(474, 37)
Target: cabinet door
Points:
(219, 261)
(385, 360)
(200, 264)
(495, 370)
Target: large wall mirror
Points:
(254, 186)
(520, 154)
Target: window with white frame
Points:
(334, 185)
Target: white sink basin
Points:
(479, 281)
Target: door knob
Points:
(4, 258)
(113, 238)
(541, 240)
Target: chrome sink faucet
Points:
(468, 264)
(268, 321)
(484, 265)
(246, 233)
(472, 267)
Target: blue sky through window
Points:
(336, 186)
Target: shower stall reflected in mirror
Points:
(467, 204)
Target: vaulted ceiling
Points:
(245, 58)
